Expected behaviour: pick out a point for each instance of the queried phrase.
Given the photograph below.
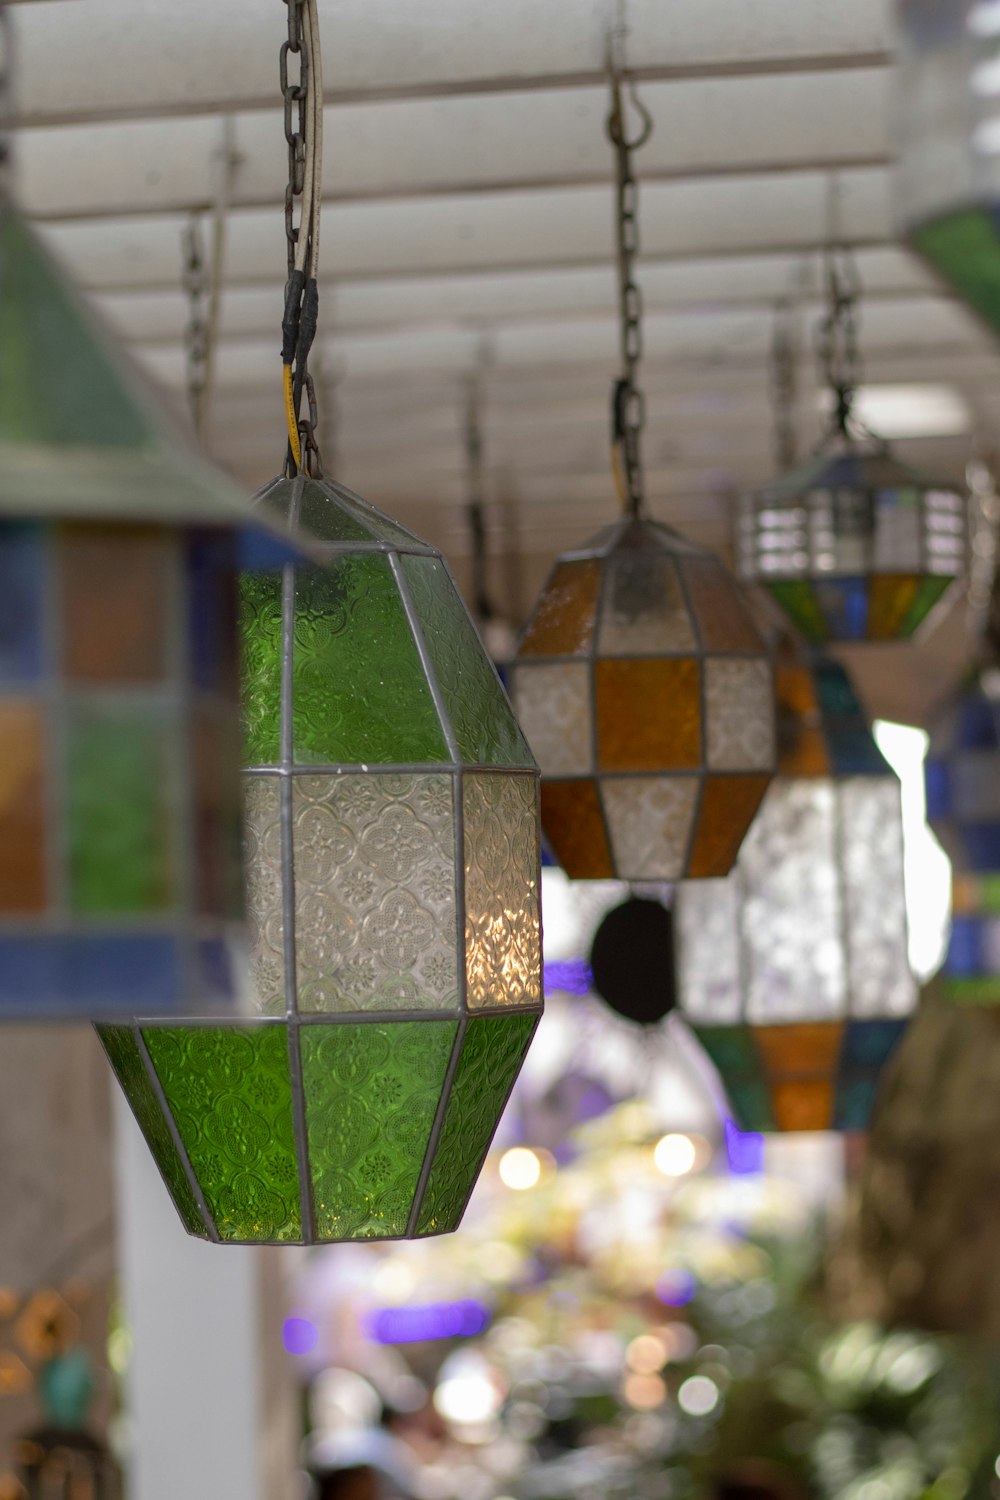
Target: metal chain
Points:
(784, 385)
(295, 93)
(197, 286)
(474, 506)
(837, 336)
(628, 409)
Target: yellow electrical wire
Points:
(619, 476)
(293, 426)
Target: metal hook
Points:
(616, 119)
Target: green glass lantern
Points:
(393, 871)
(120, 868)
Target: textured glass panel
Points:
(648, 715)
(231, 1099)
(643, 609)
(791, 908)
(720, 607)
(372, 1093)
(22, 807)
(262, 866)
(728, 807)
(322, 517)
(554, 707)
(502, 919)
(117, 593)
(574, 829)
(213, 612)
(889, 603)
(22, 600)
(120, 812)
(803, 1104)
(124, 1056)
(260, 636)
(375, 884)
(492, 1053)
(563, 622)
(218, 869)
(799, 603)
(706, 914)
(485, 728)
(739, 710)
(875, 911)
(649, 820)
(359, 690)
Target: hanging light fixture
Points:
(948, 164)
(853, 545)
(641, 680)
(120, 868)
(393, 871)
(793, 972)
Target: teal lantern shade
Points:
(393, 876)
(120, 866)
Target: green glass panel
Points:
(982, 990)
(119, 812)
(928, 594)
(731, 1048)
(988, 892)
(327, 520)
(231, 1098)
(372, 1094)
(360, 693)
(486, 731)
(260, 626)
(380, 526)
(964, 248)
(124, 1056)
(751, 1103)
(798, 601)
(492, 1053)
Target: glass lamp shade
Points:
(853, 545)
(947, 187)
(793, 972)
(120, 866)
(646, 692)
(393, 877)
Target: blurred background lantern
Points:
(794, 972)
(853, 545)
(641, 680)
(393, 868)
(120, 871)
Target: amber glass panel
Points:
(811, 1048)
(805, 1104)
(803, 752)
(720, 609)
(728, 806)
(648, 715)
(115, 587)
(890, 598)
(795, 690)
(574, 829)
(563, 623)
(22, 808)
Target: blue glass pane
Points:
(22, 569)
(977, 725)
(212, 623)
(937, 784)
(982, 845)
(856, 1095)
(855, 753)
(260, 552)
(126, 974)
(867, 1044)
(844, 602)
(966, 947)
(218, 982)
(837, 698)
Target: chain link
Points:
(295, 94)
(784, 385)
(837, 336)
(197, 286)
(628, 404)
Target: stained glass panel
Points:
(728, 806)
(22, 808)
(23, 553)
(260, 630)
(554, 708)
(502, 918)
(872, 860)
(644, 611)
(119, 586)
(724, 620)
(648, 715)
(739, 711)
(265, 915)
(573, 823)
(564, 623)
(649, 822)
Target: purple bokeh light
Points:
(676, 1287)
(432, 1320)
(299, 1335)
(570, 975)
(744, 1150)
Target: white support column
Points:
(209, 1394)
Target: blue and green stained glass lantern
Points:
(120, 867)
(793, 972)
(853, 545)
(393, 869)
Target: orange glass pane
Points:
(22, 808)
(803, 1104)
(802, 752)
(809, 1049)
(563, 624)
(721, 611)
(889, 599)
(115, 591)
(648, 715)
(795, 690)
(728, 806)
(574, 827)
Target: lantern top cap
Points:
(636, 534)
(846, 464)
(82, 436)
(331, 515)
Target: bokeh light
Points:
(698, 1396)
(520, 1169)
(675, 1155)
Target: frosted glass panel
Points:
(649, 819)
(706, 913)
(553, 706)
(739, 702)
(880, 979)
(502, 914)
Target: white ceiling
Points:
(468, 212)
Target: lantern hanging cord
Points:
(627, 401)
(837, 336)
(303, 102)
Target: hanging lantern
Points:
(853, 545)
(948, 164)
(793, 972)
(641, 681)
(393, 868)
(120, 876)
